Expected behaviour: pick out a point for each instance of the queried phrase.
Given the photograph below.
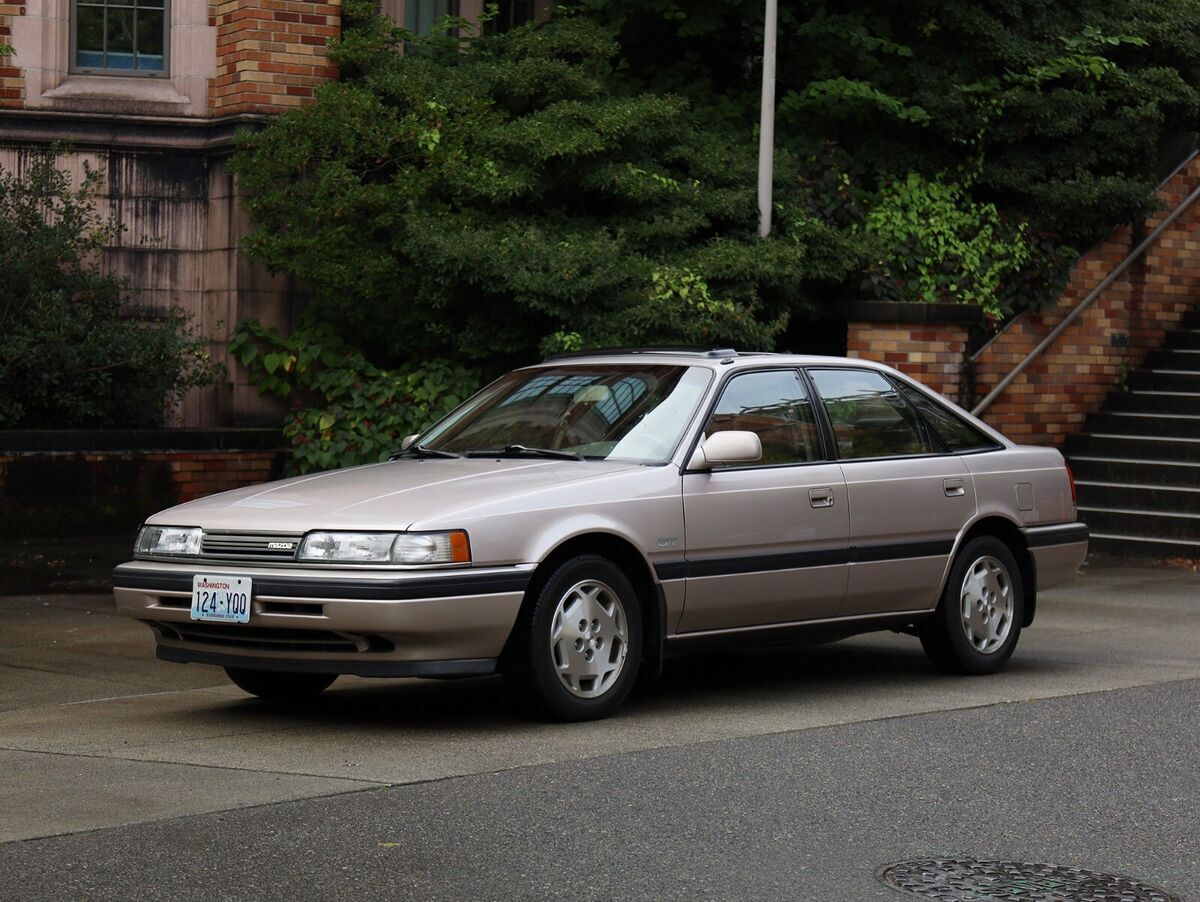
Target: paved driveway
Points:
(781, 772)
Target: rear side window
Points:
(774, 406)
(954, 432)
(869, 417)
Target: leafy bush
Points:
(359, 413)
(475, 198)
(74, 351)
(938, 246)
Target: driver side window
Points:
(775, 406)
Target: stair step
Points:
(1183, 338)
(1151, 524)
(1178, 359)
(1137, 423)
(1134, 471)
(1139, 546)
(1165, 380)
(1150, 401)
(1118, 495)
(1155, 448)
(1191, 320)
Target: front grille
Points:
(245, 546)
(259, 639)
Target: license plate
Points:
(225, 599)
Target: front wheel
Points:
(577, 647)
(978, 621)
(278, 686)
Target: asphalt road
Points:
(781, 773)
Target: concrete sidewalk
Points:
(95, 732)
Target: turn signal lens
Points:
(432, 548)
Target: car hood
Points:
(387, 496)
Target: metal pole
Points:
(766, 124)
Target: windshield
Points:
(596, 412)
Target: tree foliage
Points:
(75, 351)
(481, 198)
(1064, 107)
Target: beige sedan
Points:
(577, 521)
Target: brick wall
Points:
(925, 341)
(931, 354)
(271, 54)
(1056, 394)
(12, 85)
(63, 493)
(194, 475)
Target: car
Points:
(576, 522)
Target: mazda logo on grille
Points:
(281, 546)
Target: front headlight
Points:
(386, 547)
(168, 540)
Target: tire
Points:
(577, 647)
(978, 620)
(278, 686)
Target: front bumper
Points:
(367, 623)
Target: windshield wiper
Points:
(523, 451)
(422, 451)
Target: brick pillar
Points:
(271, 54)
(12, 84)
(925, 341)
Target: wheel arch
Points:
(622, 552)
(1010, 534)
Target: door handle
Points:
(822, 497)
(954, 488)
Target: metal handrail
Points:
(1085, 303)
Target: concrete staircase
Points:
(1137, 467)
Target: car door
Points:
(908, 498)
(766, 542)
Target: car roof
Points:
(713, 358)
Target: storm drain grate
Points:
(968, 880)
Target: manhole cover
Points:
(968, 880)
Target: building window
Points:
(510, 14)
(421, 15)
(120, 37)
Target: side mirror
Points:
(406, 442)
(732, 447)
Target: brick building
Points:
(151, 93)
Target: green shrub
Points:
(357, 413)
(936, 245)
(75, 351)
(473, 199)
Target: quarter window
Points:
(868, 416)
(954, 432)
(774, 406)
(120, 37)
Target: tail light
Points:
(1071, 480)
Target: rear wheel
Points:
(978, 621)
(279, 686)
(578, 645)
